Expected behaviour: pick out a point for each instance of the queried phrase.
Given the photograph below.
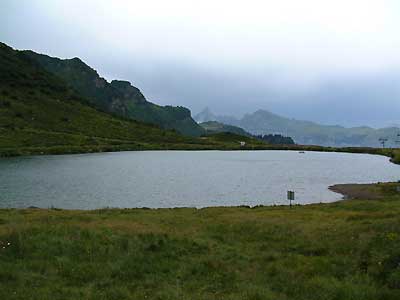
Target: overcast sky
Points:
(330, 61)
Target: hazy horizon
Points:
(331, 63)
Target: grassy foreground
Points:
(344, 250)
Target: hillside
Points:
(276, 139)
(37, 111)
(213, 127)
(308, 133)
(233, 139)
(116, 97)
(216, 127)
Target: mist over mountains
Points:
(306, 132)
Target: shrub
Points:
(6, 103)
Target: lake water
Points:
(184, 178)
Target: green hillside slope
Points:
(37, 110)
(117, 97)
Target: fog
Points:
(334, 62)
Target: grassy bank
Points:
(204, 143)
(343, 250)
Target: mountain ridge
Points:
(40, 114)
(309, 132)
(217, 127)
(118, 97)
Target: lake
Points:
(158, 179)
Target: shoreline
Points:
(364, 191)
(392, 153)
(149, 253)
(349, 191)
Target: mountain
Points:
(41, 114)
(311, 133)
(212, 127)
(116, 97)
(39, 111)
(204, 116)
(207, 115)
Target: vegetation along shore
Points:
(344, 250)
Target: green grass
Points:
(395, 156)
(343, 250)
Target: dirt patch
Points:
(358, 191)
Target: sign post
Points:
(290, 196)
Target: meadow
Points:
(344, 250)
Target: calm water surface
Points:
(184, 178)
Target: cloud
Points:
(237, 56)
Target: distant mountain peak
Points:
(263, 111)
(77, 60)
(264, 122)
(205, 115)
(207, 110)
(122, 83)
